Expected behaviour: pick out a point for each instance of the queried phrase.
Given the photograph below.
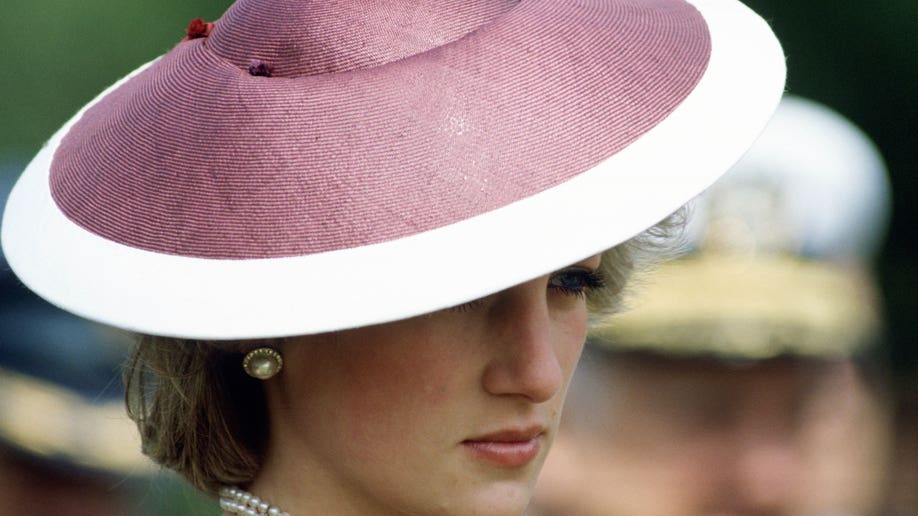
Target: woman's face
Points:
(447, 413)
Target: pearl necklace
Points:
(237, 501)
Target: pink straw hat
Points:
(308, 166)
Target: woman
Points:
(392, 217)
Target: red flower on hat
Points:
(198, 28)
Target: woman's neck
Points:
(297, 481)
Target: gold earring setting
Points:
(262, 363)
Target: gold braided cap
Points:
(747, 307)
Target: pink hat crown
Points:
(299, 38)
(429, 119)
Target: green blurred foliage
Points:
(169, 495)
(58, 54)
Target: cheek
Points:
(570, 336)
(395, 382)
(382, 384)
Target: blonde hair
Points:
(661, 242)
(200, 415)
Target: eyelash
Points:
(586, 279)
(465, 307)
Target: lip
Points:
(510, 448)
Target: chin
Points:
(495, 499)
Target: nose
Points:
(525, 362)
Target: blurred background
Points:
(859, 58)
(748, 376)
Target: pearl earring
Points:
(262, 363)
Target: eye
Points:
(576, 281)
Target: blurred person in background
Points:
(744, 378)
(66, 449)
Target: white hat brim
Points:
(171, 295)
